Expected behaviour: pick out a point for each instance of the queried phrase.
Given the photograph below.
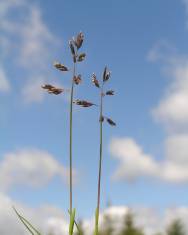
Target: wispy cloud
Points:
(51, 219)
(28, 43)
(29, 167)
(134, 163)
(4, 83)
(172, 113)
(148, 219)
(172, 108)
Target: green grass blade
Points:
(77, 226)
(97, 221)
(72, 220)
(27, 224)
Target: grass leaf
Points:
(27, 224)
(72, 221)
(77, 226)
(97, 221)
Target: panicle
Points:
(110, 92)
(77, 79)
(79, 40)
(83, 103)
(60, 67)
(81, 57)
(52, 89)
(112, 123)
(95, 81)
(106, 74)
(71, 45)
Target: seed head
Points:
(71, 44)
(79, 40)
(106, 74)
(95, 81)
(112, 123)
(83, 103)
(110, 92)
(52, 90)
(47, 86)
(101, 119)
(60, 67)
(77, 79)
(81, 57)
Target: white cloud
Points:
(172, 112)
(32, 42)
(161, 51)
(134, 163)
(4, 83)
(51, 219)
(33, 168)
(172, 109)
(32, 91)
(36, 43)
(148, 219)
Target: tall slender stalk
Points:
(75, 44)
(106, 76)
(70, 143)
(100, 162)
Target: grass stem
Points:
(70, 144)
(100, 164)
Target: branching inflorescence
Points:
(75, 44)
(102, 118)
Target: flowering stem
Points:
(100, 163)
(70, 150)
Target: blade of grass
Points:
(27, 224)
(96, 221)
(72, 221)
(77, 226)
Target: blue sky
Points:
(144, 44)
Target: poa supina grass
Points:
(102, 118)
(75, 44)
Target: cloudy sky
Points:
(144, 43)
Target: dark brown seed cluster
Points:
(105, 77)
(77, 79)
(75, 44)
(83, 103)
(110, 92)
(106, 74)
(81, 57)
(71, 45)
(52, 90)
(112, 123)
(109, 120)
(101, 119)
(79, 40)
(95, 81)
(60, 67)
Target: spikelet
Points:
(79, 40)
(81, 57)
(112, 123)
(110, 92)
(95, 81)
(77, 79)
(60, 67)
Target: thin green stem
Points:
(70, 150)
(100, 163)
